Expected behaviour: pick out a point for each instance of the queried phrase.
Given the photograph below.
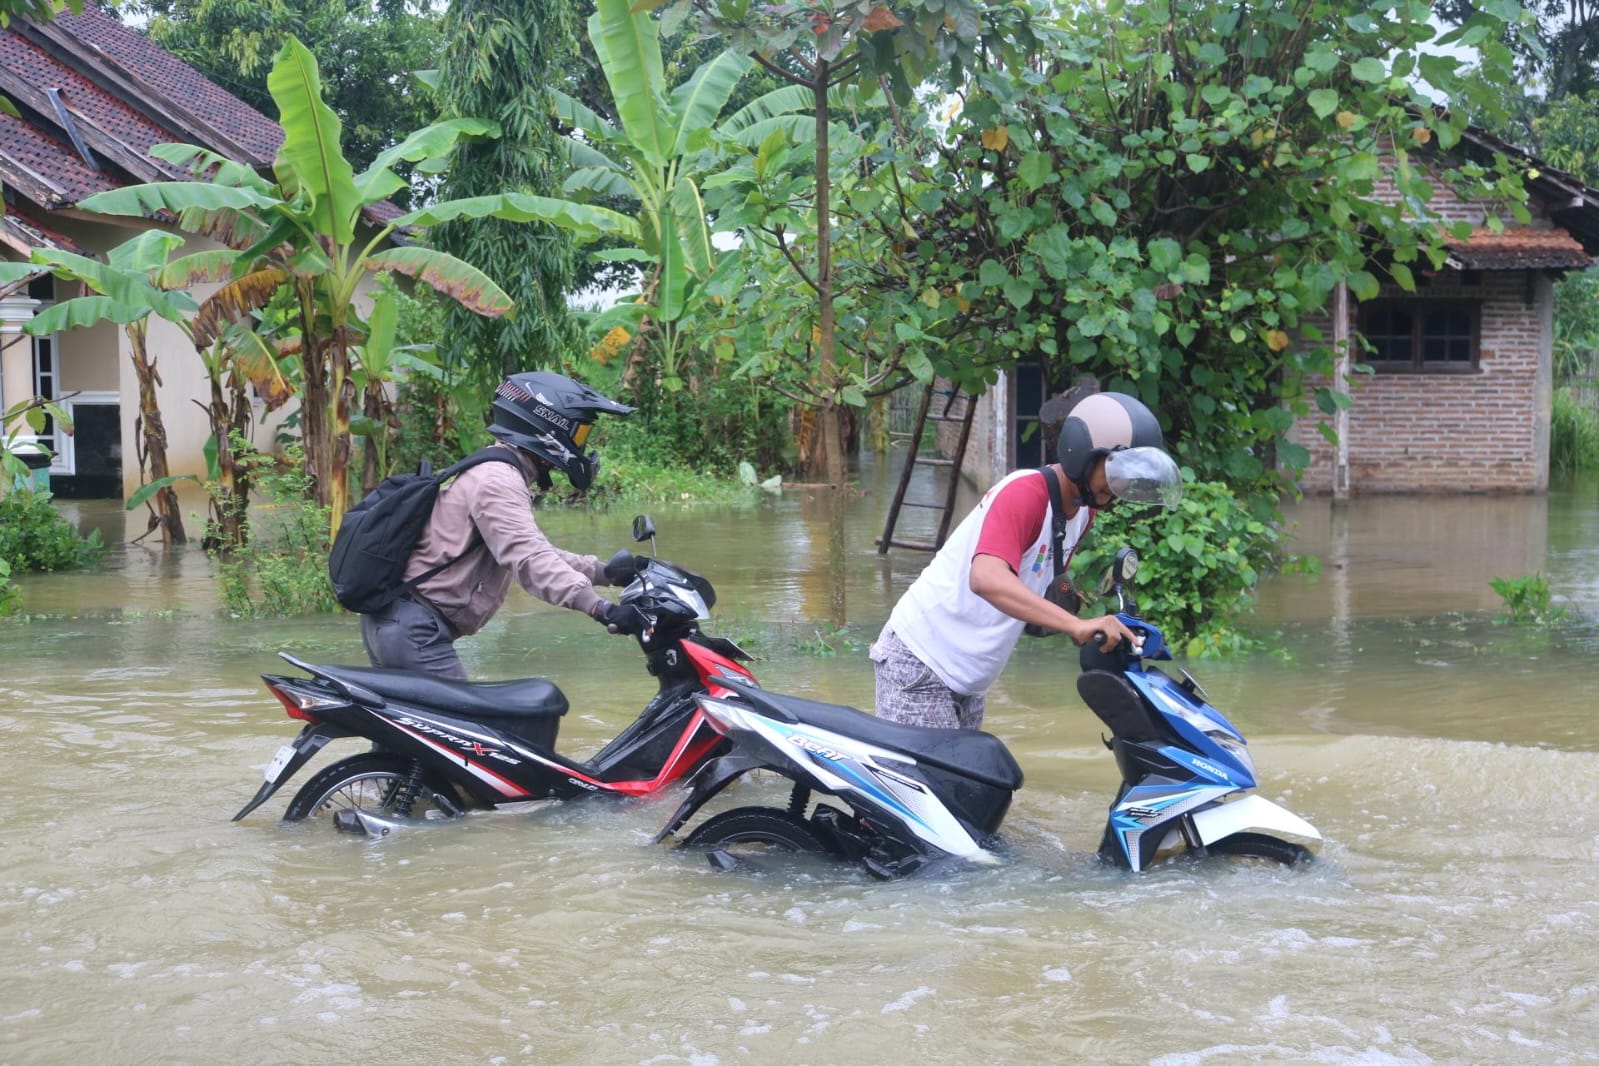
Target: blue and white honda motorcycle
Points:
(895, 797)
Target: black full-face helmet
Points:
(1127, 435)
(550, 415)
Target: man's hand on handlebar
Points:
(1107, 631)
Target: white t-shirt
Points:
(961, 637)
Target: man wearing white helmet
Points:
(953, 630)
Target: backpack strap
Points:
(490, 454)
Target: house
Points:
(93, 97)
(1458, 396)
(1459, 393)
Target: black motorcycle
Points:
(440, 747)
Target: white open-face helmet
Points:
(1126, 434)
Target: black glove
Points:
(621, 568)
(621, 617)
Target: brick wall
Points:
(1484, 431)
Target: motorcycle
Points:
(439, 747)
(895, 797)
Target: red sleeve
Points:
(1014, 518)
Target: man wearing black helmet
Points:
(953, 630)
(481, 533)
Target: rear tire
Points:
(752, 831)
(1261, 846)
(374, 782)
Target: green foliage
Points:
(1198, 564)
(37, 10)
(502, 61)
(1574, 432)
(630, 481)
(705, 413)
(1527, 600)
(283, 570)
(10, 598)
(1165, 210)
(34, 536)
(302, 231)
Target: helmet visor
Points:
(1144, 475)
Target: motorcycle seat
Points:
(529, 697)
(1117, 703)
(967, 752)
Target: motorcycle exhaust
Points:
(359, 822)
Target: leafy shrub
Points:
(282, 570)
(10, 598)
(34, 535)
(1528, 600)
(1198, 564)
(1573, 435)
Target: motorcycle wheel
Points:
(1261, 846)
(750, 831)
(372, 782)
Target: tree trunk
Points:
(343, 390)
(154, 430)
(229, 518)
(314, 404)
(829, 437)
(372, 463)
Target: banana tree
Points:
(127, 289)
(653, 157)
(301, 232)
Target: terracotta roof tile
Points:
(183, 86)
(45, 170)
(1519, 248)
(22, 233)
(27, 72)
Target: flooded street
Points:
(1452, 765)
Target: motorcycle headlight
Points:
(1235, 748)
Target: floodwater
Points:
(1452, 764)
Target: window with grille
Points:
(1421, 336)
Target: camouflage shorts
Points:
(909, 692)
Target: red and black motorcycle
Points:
(441, 747)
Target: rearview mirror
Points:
(1126, 565)
(1120, 572)
(643, 529)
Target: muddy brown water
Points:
(1452, 764)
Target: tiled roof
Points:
(22, 233)
(181, 88)
(94, 97)
(122, 95)
(43, 169)
(1519, 248)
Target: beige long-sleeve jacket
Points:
(494, 499)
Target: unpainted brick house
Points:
(1459, 392)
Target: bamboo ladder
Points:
(924, 415)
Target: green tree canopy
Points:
(502, 60)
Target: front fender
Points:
(707, 782)
(1253, 813)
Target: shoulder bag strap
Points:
(1057, 519)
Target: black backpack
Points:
(375, 541)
